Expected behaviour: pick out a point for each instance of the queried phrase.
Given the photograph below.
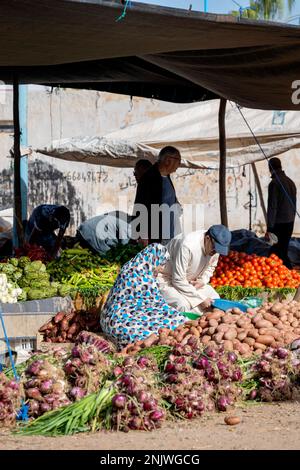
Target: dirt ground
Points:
(268, 426)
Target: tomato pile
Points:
(240, 269)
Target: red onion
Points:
(118, 371)
(34, 407)
(169, 367)
(252, 395)
(282, 353)
(77, 393)
(143, 362)
(46, 386)
(157, 415)
(44, 407)
(237, 375)
(222, 403)
(202, 363)
(34, 393)
(212, 353)
(34, 367)
(13, 385)
(76, 351)
(135, 423)
(119, 401)
(150, 405)
(232, 357)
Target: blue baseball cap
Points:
(221, 237)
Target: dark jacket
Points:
(281, 208)
(149, 192)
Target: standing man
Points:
(156, 195)
(184, 280)
(282, 200)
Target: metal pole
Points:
(24, 143)
(18, 227)
(205, 6)
(222, 169)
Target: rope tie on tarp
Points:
(122, 16)
(22, 414)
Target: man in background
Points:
(155, 190)
(282, 200)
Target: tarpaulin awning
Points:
(157, 52)
(194, 131)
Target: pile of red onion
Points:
(96, 340)
(277, 375)
(201, 381)
(10, 400)
(85, 370)
(136, 405)
(45, 387)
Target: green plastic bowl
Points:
(191, 316)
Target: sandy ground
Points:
(268, 426)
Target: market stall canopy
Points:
(194, 132)
(100, 151)
(164, 53)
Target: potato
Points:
(295, 323)
(223, 327)
(218, 337)
(253, 334)
(276, 307)
(215, 315)
(279, 325)
(263, 324)
(203, 323)
(244, 348)
(237, 311)
(241, 323)
(226, 319)
(269, 331)
(205, 339)
(195, 332)
(249, 341)
(213, 322)
(232, 420)
(211, 343)
(230, 334)
(269, 317)
(265, 339)
(260, 346)
(297, 331)
(228, 346)
(185, 339)
(199, 329)
(212, 330)
(241, 336)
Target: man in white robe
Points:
(184, 279)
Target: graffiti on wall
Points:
(46, 185)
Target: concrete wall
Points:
(86, 188)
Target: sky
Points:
(215, 6)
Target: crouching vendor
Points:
(184, 280)
(135, 307)
(43, 222)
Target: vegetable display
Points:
(8, 293)
(29, 280)
(84, 272)
(10, 399)
(45, 387)
(240, 269)
(123, 253)
(273, 325)
(64, 327)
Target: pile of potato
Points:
(274, 324)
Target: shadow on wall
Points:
(47, 185)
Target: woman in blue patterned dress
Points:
(135, 307)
